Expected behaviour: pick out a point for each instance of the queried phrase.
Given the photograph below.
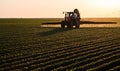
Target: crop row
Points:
(68, 50)
(9, 59)
(116, 68)
(50, 43)
(86, 60)
(74, 62)
(66, 56)
(101, 63)
(74, 53)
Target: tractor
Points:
(70, 20)
(73, 19)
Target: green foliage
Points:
(24, 45)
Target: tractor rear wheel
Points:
(62, 24)
(77, 24)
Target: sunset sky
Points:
(54, 8)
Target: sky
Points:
(54, 8)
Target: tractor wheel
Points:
(77, 24)
(63, 24)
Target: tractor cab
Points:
(69, 16)
(69, 20)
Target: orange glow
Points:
(54, 8)
(106, 3)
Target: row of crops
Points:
(56, 49)
(71, 55)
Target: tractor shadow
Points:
(54, 31)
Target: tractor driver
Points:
(77, 16)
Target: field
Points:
(25, 45)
